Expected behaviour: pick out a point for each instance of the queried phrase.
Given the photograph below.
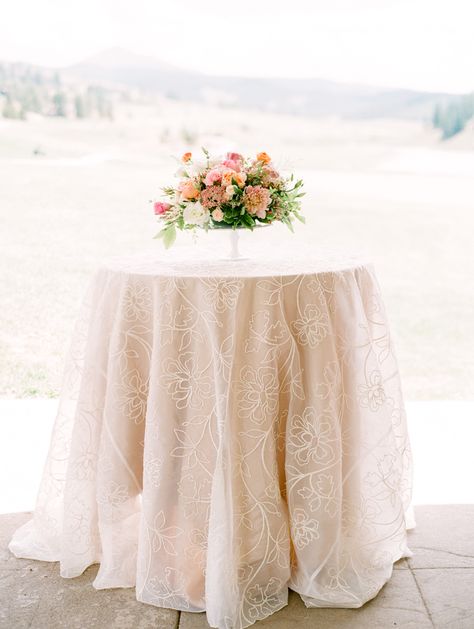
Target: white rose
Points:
(196, 168)
(196, 214)
(200, 164)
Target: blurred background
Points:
(371, 102)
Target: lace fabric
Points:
(226, 431)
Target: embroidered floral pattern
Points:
(263, 598)
(133, 396)
(372, 394)
(387, 480)
(233, 426)
(186, 383)
(311, 437)
(137, 303)
(222, 294)
(163, 536)
(170, 590)
(111, 497)
(312, 327)
(258, 393)
(304, 528)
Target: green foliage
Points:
(168, 235)
(453, 117)
(27, 89)
(169, 191)
(59, 103)
(30, 100)
(79, 107)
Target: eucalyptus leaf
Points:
(168, 235)
(288, 223)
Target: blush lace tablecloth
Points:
(228, 430)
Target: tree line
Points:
(25, 89)
(452, 118)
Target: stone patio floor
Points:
(434, 588)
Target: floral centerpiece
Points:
(233, 192)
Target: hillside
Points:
(310, 97)
(98, 85)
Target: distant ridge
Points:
(120, 68)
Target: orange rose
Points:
(264, 157)
(188, 190)
(186, 157)
(227, 177)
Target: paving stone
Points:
(8, 524)
(75, 604)
(443, 537)
(33, 595)
(398, 604)
(21, 590)
(449, 595)
(22, 581)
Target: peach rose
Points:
(227, 176)
(186, 157)
(217, 215)
(240, 179)
(264, 157)
(188, 190)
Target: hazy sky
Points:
(422, 44)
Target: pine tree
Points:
(437, 117)
(59, 102)
(79, 107)
(453, 118)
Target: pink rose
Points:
(160, 207)
(212, 177)
(235, 157)
(260, 213)
(217, 215)
(232, 164)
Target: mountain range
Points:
(311, 97)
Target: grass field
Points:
(388, 188)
